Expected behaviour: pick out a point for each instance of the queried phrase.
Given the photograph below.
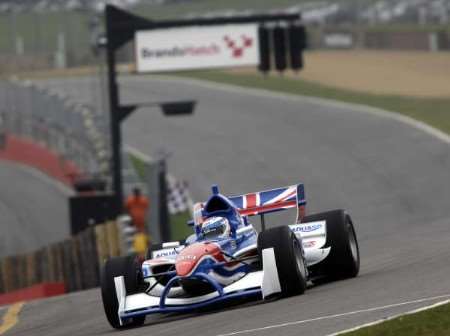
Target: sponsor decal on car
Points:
(307, 228)
(187, 257)
(165, 253)
(309, 244)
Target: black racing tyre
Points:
(130, 268)
(289, 258)
(343, 260)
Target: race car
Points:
(226, 258)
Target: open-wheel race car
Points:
(226, 258)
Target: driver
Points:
(216, 228)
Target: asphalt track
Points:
(394, 179)
(33, 209)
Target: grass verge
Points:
(178, 222)
(139, 166)
(179, 227)
(433, 111)
(432, 322)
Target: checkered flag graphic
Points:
(178, 197)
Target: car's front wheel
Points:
(130, 269)
(289, 258)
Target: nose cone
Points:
(192, 256)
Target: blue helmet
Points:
(216, 227)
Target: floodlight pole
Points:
(115, 131)
(116, 113)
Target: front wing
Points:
(255, 284)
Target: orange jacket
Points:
(137, 208)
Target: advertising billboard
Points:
(197, 48)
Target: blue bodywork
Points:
(221, 206)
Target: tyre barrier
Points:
(74, 262)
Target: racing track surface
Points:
(392, 178)
(33, 209)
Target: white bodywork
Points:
(313, 236)
(270, 282)
(267, 280)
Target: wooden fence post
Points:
(58, 254)
(14, 271)
(8, 277)
(46, 265)
(30, 264)
(59, 251)
(21, 271)
(89, 258)
(102, 243)
(51, 263)
(77, 272)
(38, 261)
(113, 239)
(2, 286)
(67, 265)
(4, 267)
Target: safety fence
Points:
(75, 262)
(74, 131)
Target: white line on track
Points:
(314, 100)
(328, 317)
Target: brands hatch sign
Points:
(197, 48)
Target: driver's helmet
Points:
(215, 228)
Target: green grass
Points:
(433, 111)
(178, 222)
(433, 322)
(139, 166)
(39, 32)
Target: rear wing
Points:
(268, 201)
(263, 202)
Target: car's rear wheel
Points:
(130, 269)
(343, 261)
(289, 258)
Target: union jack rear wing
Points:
(263, 202)
(278, 199)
